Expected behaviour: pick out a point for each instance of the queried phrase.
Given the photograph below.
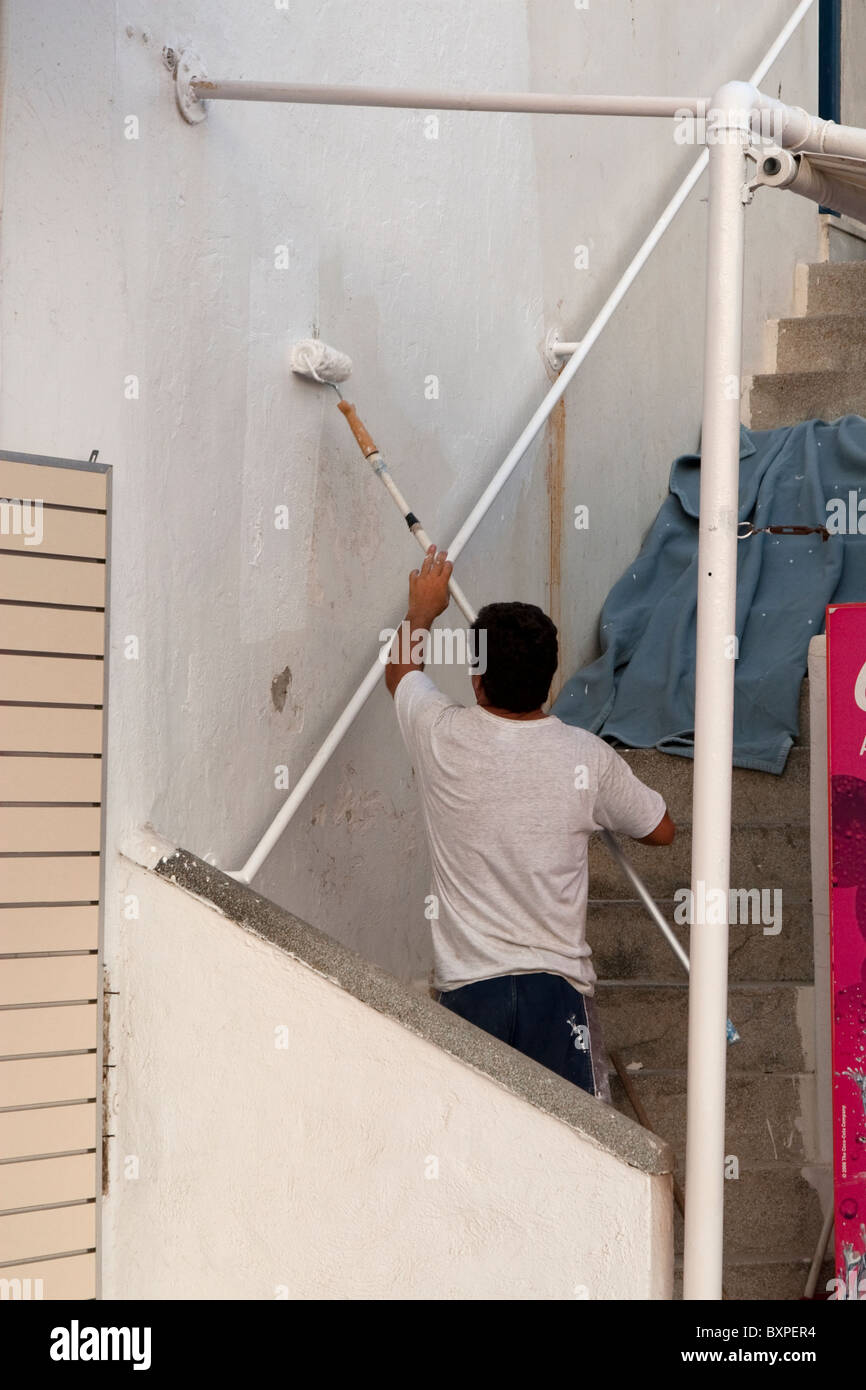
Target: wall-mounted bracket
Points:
(556, 351)
(189, 67)
(774, 168)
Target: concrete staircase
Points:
(817, 370)
(816, 360)
(773, 1213)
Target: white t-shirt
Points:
(509, 805)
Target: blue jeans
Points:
(540, 1015)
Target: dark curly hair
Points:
(521, 655)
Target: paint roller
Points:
(318, 362)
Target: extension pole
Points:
(714, 692)
(371, 453)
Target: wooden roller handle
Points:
(356, 425)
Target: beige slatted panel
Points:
(39, 1182)
(48, 929)
(43, 829)
(50, 879)
(69, 487)
(32, 1234)
(30, 730)
(35, 579)
(62, 533)
(50, 779)
(56, 680)
(47, 1080)
(64, 1028)
(51, 855)
(29, 629)
(47, 1129)
(47, 979)
(71, 1276)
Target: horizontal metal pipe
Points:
(419, 98)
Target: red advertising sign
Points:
(846, 749)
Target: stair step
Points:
(758, 798)
(761, 857)
(823, 342)
(788, 398)
(648, 1023)
(764, 1280)
(762, 1114)
(832, 287)
(627, 945)
(771, 1212)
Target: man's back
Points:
(509, 805)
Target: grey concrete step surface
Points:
(648, 1023)
(788, 398)
(770, 1210)
(758, 798)
(763, 1278)
(823, 342)
(627, 945)
(771, 857)
(831, 288)
(763, 1112)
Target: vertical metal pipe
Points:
(830, 68)
(830, 60)
(727, 137)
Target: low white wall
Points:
(245, 1170)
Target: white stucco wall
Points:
(853, 39)
(154, 258)
(244, 1170)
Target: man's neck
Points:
(509, 714)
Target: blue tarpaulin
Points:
(641, 689)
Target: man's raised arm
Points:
(428, 597)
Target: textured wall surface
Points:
(275, 1137)
(153, 274)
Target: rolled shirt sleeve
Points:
(623, 802)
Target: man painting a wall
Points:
(510, 797)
